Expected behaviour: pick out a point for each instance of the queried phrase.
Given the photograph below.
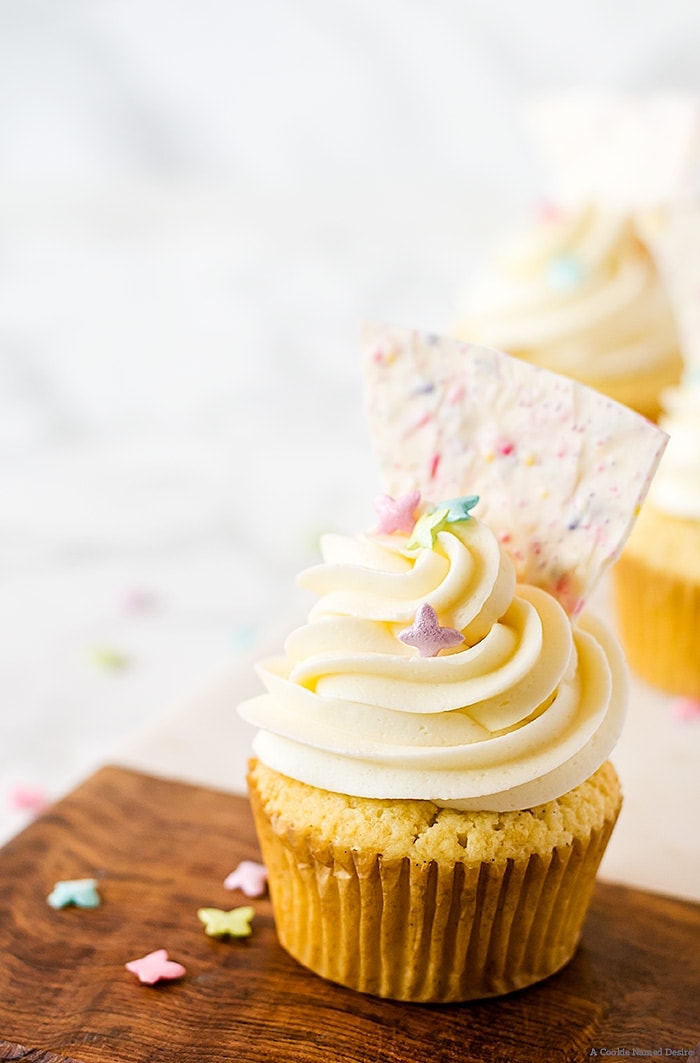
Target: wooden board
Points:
(162, 849)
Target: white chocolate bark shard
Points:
(619, 149)
(560, 469)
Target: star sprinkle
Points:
(427, 528)
(81, 892)
(459, 509)
(397, 514)
(427, 635)
(156, 967)
(219, 923)
(249, 877)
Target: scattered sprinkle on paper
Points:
(685, 709)
(112, 660)
(140, 600)
(79, 892)
(244, 636)
(28, 799)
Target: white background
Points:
(200, 202)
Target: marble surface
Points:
(198, 208)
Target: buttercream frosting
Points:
(521, 710)
(579, 293)
(676, 487)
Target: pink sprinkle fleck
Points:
(397, 514)
(455, 394)
(548, 211)
(29, 799)
(505, 447)
(434, 463)
(140, 599)
(685, 709)
(249, 877)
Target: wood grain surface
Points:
(162, 849)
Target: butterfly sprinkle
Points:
(397, 514)
(250, 877)
(156, 967)
(220, 924)
(79, 892)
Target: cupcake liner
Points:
(427, 932)
(659, 617)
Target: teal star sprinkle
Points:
(459, 509)
(81, 892)
(427, 528)
(220, 924)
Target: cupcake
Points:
(657, 579)
(430, 781)
(579, 293)
(582, 291)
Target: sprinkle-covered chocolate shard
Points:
(564, 491)
(396, 514)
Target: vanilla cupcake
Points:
(657, 579)
(579, 293)
(432, 819)
(431, 784)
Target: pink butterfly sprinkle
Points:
(249, 877)
(397, 514)
(685, 709)
(155, 967)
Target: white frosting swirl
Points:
(578, 293)
(676, 487)
(526, 708)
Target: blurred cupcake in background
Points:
(580, 293)
(657, 579)
(579, 290)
